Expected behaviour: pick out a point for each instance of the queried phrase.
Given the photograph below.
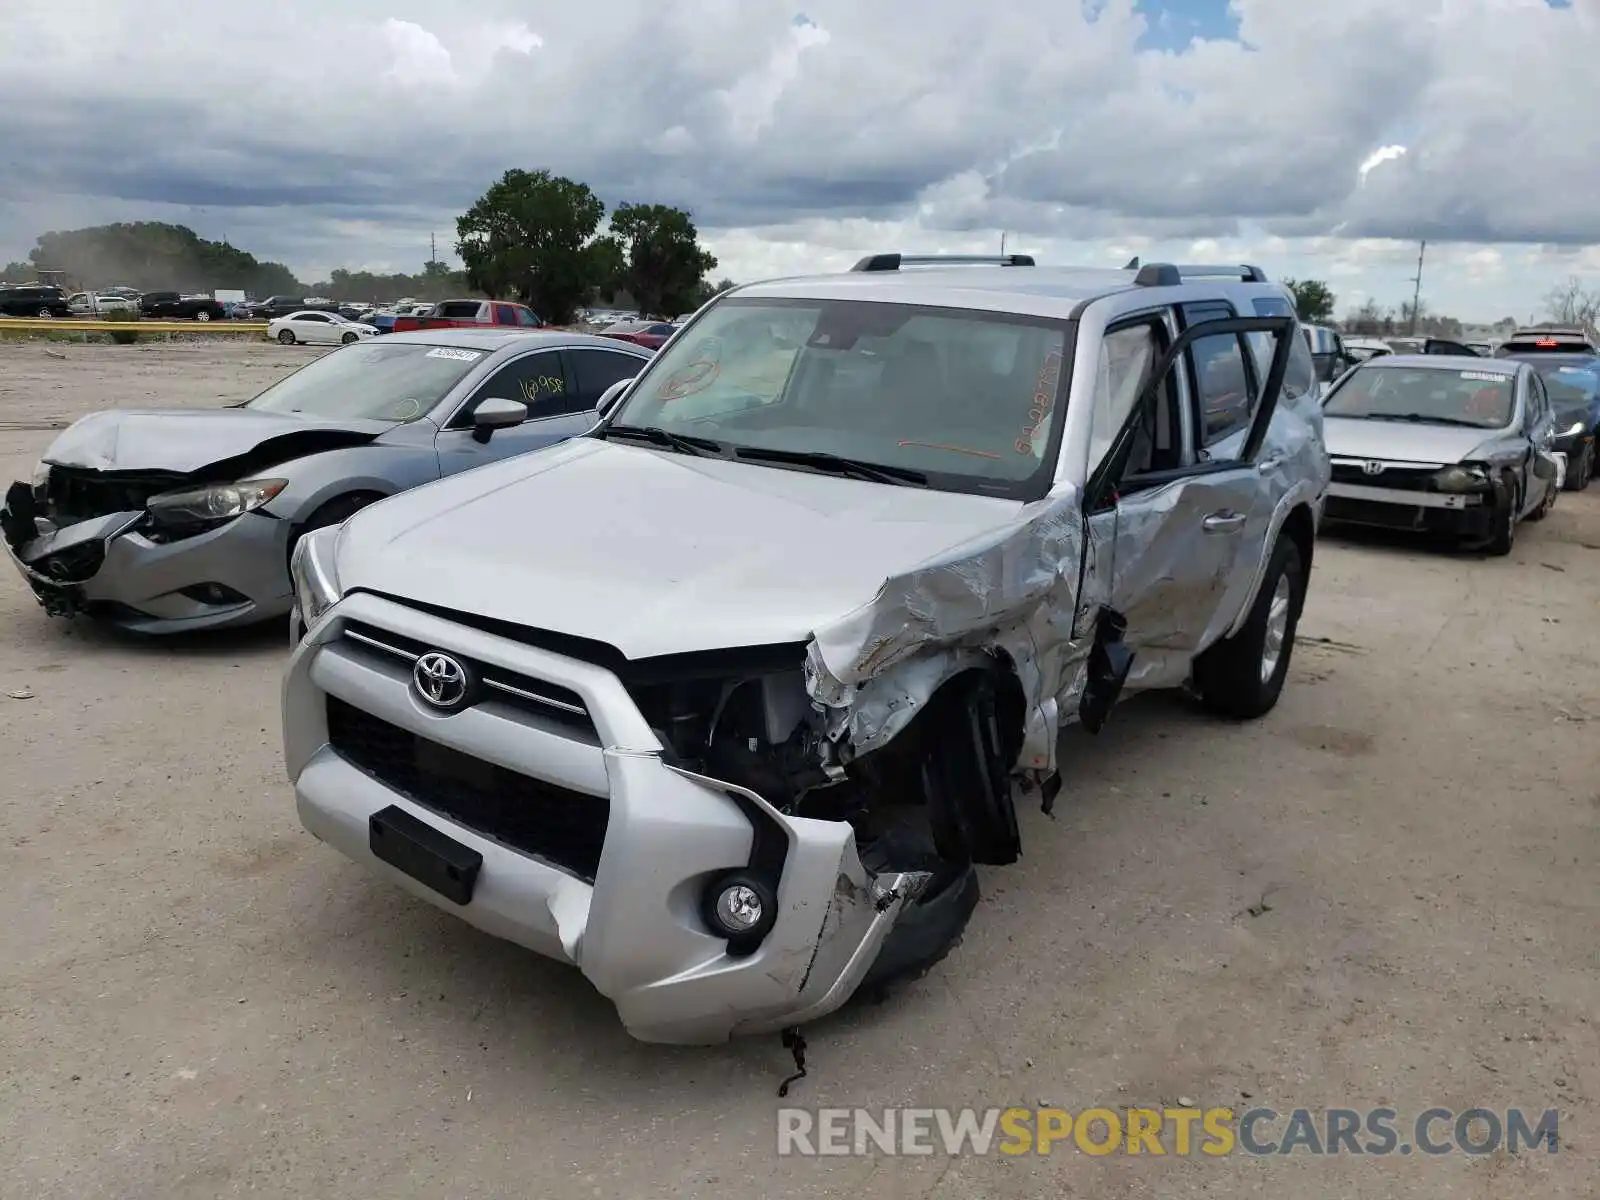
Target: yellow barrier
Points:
(73, 325)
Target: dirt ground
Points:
(1384, 893)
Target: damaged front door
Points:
(1173, 503)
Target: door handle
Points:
(1269, 464)
(1222, 522)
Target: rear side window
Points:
(593, 371)
(459, 310)
(505, 314)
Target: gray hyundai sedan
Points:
(166, 520)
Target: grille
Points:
(1416, 479)
(1373, 512)
(74, 494)
(549, 701)
(563, 827)
(74, 564)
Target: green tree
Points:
(662, 263)
(531, 235)
(153, 255)
(1313, 301)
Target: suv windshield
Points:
(376, 380)
(1482, 399)
(967, 399)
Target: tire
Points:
(333, 512)
(286, 337)
(45, 314)
(202, 315)
(1545, 505)
(924, 935)
(1242, 676)
(348, 338)
(1582, 473)
(1505, 527)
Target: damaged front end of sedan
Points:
(121, 518)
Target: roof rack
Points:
(893, 262)
(1169, 275)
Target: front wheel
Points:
(45, 314)
(1504, 536)
(1242, 676)
(202, 315)
(286, 337)
(350, 337)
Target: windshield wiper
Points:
(1425, 419)
(664, 438)
(836, 464)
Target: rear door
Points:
(537, 379)
(592, 370)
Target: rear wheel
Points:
(46, 313)
(202, 315)
(286, 336)
(1242, 676)
(1581, 472)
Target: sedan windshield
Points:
(1571, 387)
(966, 400)
(374, 380)
(1429, 395)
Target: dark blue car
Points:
(1573, 382)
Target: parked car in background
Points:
(650, 334)
(34, 300)
(174, 306)
(1361, 349)
(722, 700)
(87, 304)
(167, 520)
(1573, 382)
(1550, 339)
(466, 314)
(1460, 446)
(317, 329)
(1328, 351)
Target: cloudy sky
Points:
(1320, 138)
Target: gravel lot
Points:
(199, 1000)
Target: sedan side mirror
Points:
(496, 413)
(609, 397)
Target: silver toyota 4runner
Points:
(722, 701)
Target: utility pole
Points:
(1416, 294)
(433, 249)
(1002, 243)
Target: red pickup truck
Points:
(458, 314)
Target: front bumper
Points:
(106, 567)
(1462, 514)
(662, 834)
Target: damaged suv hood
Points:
(650, 551)
(186, 439)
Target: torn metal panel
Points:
(1014, 591)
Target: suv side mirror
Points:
(609, 397)
(496, 413)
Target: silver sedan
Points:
(168, 520)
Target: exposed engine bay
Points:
(938, 793)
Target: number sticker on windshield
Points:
(453, 353)
(1483, 377)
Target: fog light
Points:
(739, 909)
(742, 908)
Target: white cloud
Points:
(1324, 143)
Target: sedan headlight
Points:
(1572, 430)
(311, 569)
(1463, 477)
(219, 502)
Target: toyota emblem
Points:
(442, 681)
(1372, 467)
